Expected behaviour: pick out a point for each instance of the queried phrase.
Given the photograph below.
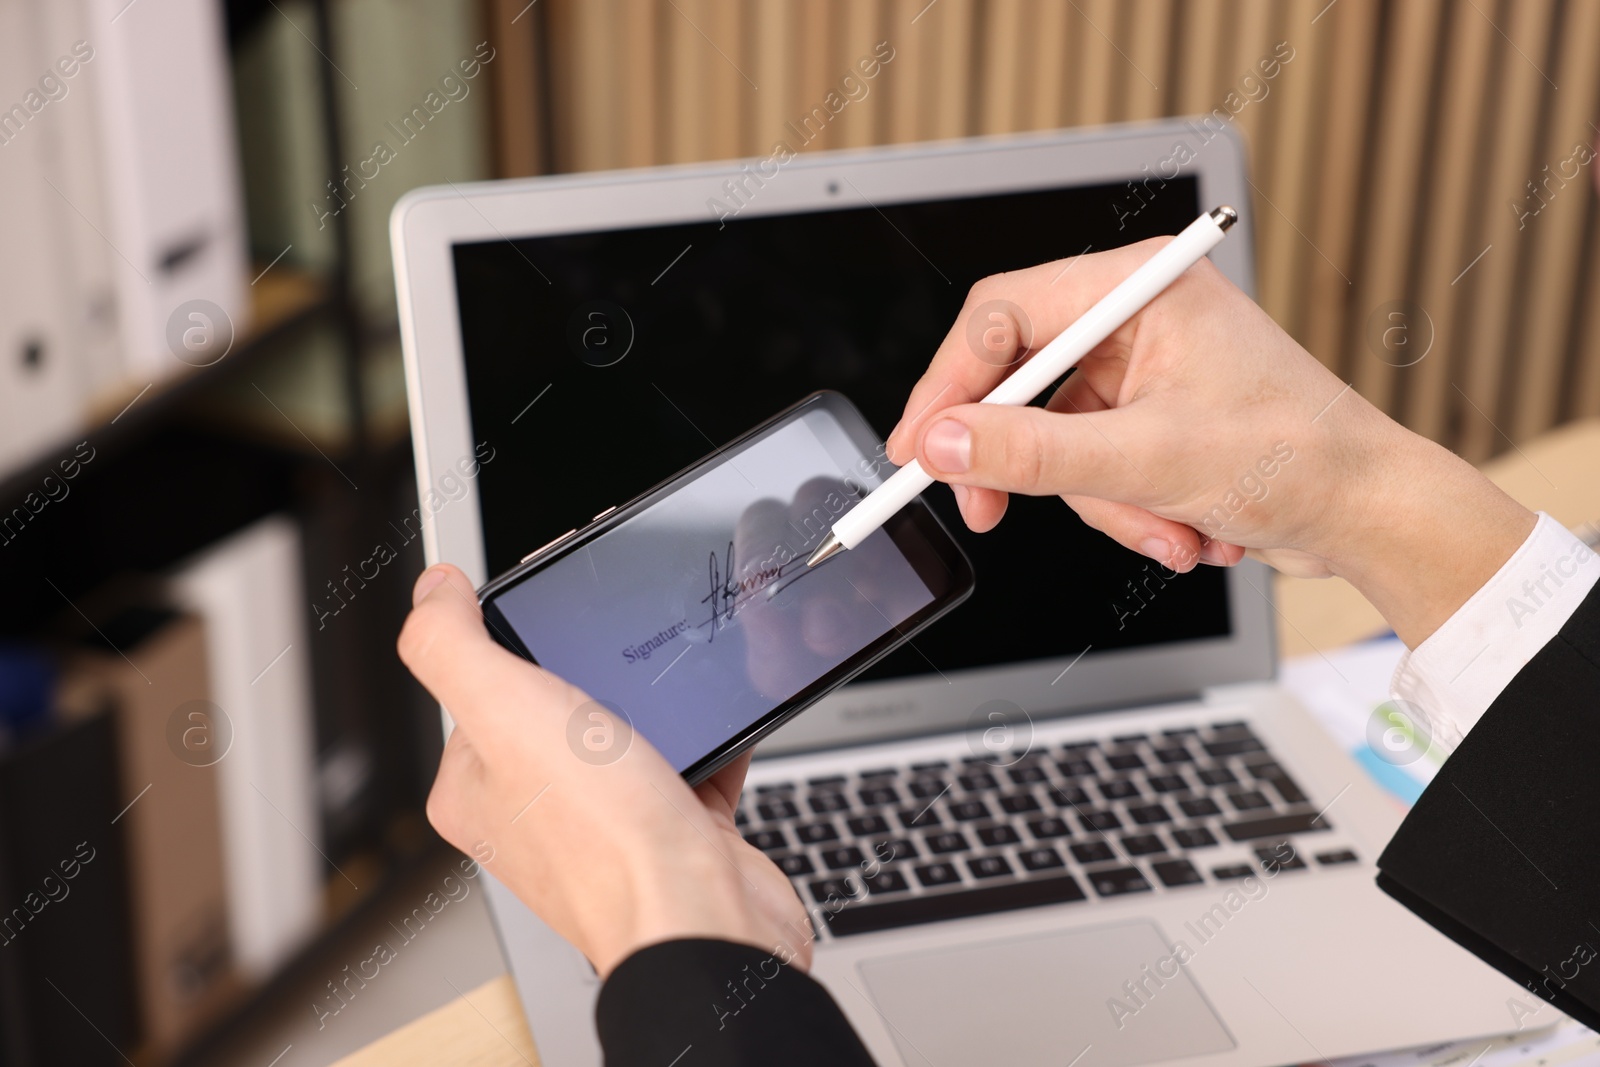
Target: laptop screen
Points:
(600, 363)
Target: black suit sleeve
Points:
(698, 1003)
(1502, 851)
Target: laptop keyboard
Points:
(946, 839)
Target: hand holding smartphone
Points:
(690, 612)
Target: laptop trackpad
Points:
(1118, 991)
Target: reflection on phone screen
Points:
(698, 616)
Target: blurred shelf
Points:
(282, 301)
(279, 300)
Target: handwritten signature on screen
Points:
(730, 592)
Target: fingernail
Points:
(427, 583)
(961, 494)
(948, 444)
(1157, 549)
(1210, 553)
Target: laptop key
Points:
(1019, 803)
(1275, 826)
(1194, 837)
(1150, 814)
(1099, 821)
(1050, 827)
(946, 842)
(995, 836)
(1333, 859)
(928, 788)
(1199, 806)
(891, 849)
(828, 803)
(1093, 852)
(988, 866)
(1280, 857)
(1168, 783)
(768, 840)
(1249, 800)
(842, 858)
(1217, 776)
(867, 825)
(1075, 768)
(1174, 873)
(1232, 871)
(978, 781)
(1288, 790)
(741, 818)
(1026, 775)
(816, 833)
(1041, 858)
(931, 765)
(1118, 789)
(1174, 754)
(1280, 780)
(775, 810)
(1143, 844)
(937, 907)
(775, 787)
(832, 889)
(795, 865)
(1118, 881)
(877, 796)
(913, 820)
(1068, 796)
(937, 874)
(968, 810)
(1235, 747)
(1125, 761)
(886, 882)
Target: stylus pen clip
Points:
(1042, 368)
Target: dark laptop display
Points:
(722, 325)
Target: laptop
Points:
(1115, 839)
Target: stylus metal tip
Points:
(830, 546)
(1224, 217)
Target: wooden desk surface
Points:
(1559, 473)
(483, 1028)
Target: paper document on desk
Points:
(1347, 691)
(1566, 1042)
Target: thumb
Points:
(1037, 452)
(444, 644)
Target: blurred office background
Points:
(208, 516)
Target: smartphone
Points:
(689, 613)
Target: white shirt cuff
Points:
(1450, 679)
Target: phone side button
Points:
(552, 544)
(604, 513)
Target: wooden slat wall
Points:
(1387, 154)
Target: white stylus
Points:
(1042, 368)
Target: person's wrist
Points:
(686, 895)
(1418, 530)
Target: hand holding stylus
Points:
(1199, 430)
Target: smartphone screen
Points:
(692, 611)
